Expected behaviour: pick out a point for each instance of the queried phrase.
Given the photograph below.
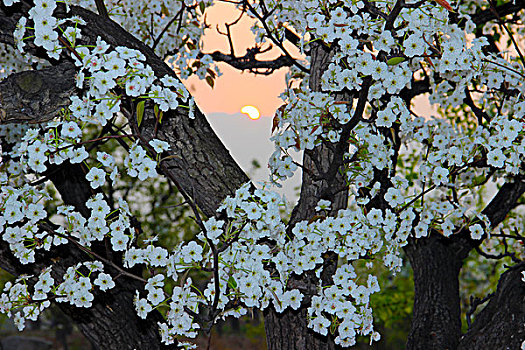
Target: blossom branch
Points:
(88, 251)
(274, 39)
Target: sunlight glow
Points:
(251, 112)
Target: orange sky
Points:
(235, 89)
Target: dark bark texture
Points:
(501, 324)
(289, 330)
(436, 320)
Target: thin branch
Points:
(511, 36)
(272, 38)
(389, 25)
(165, 29)
(505, 254)
(474, 303)
(228, 31)
(249, 61)
(101, 8)
(373, 9)
(478, 112)
(88, 251)
(485, 16)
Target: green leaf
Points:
(231, 283)
(395, 60)
(140, 111)
(202, 6)
(158, 114)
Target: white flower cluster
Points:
(19, 302)
(124, 68)
(244, 269)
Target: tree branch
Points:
(501, 324)
(489, 14)
(249, 62)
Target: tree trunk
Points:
(501, 324)
(436, 322)
(288, 330)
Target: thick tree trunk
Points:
(289, 330)
(436, 322)
(112, 323)
(501, 324)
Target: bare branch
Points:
(485, 16)
(274, 39)
(249, 61)
(168, 25)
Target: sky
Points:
(246, 139)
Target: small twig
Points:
(389, 25)
(88, 251)
(511, 36)
(166, 27)
(375, 10)
(415, 5)
(93, 140)
(474, 303)
(503, 66)
(65, 43)
(478, 112)
(275, 40)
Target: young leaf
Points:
(140, 111)
(395, 61)
(231, 283)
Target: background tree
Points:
(379, 181)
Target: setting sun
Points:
(251, 112)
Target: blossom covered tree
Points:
(91, 98)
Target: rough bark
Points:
(501, 324)
(36, 96)
(289, 330)
(436, 322)
(436, 262)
